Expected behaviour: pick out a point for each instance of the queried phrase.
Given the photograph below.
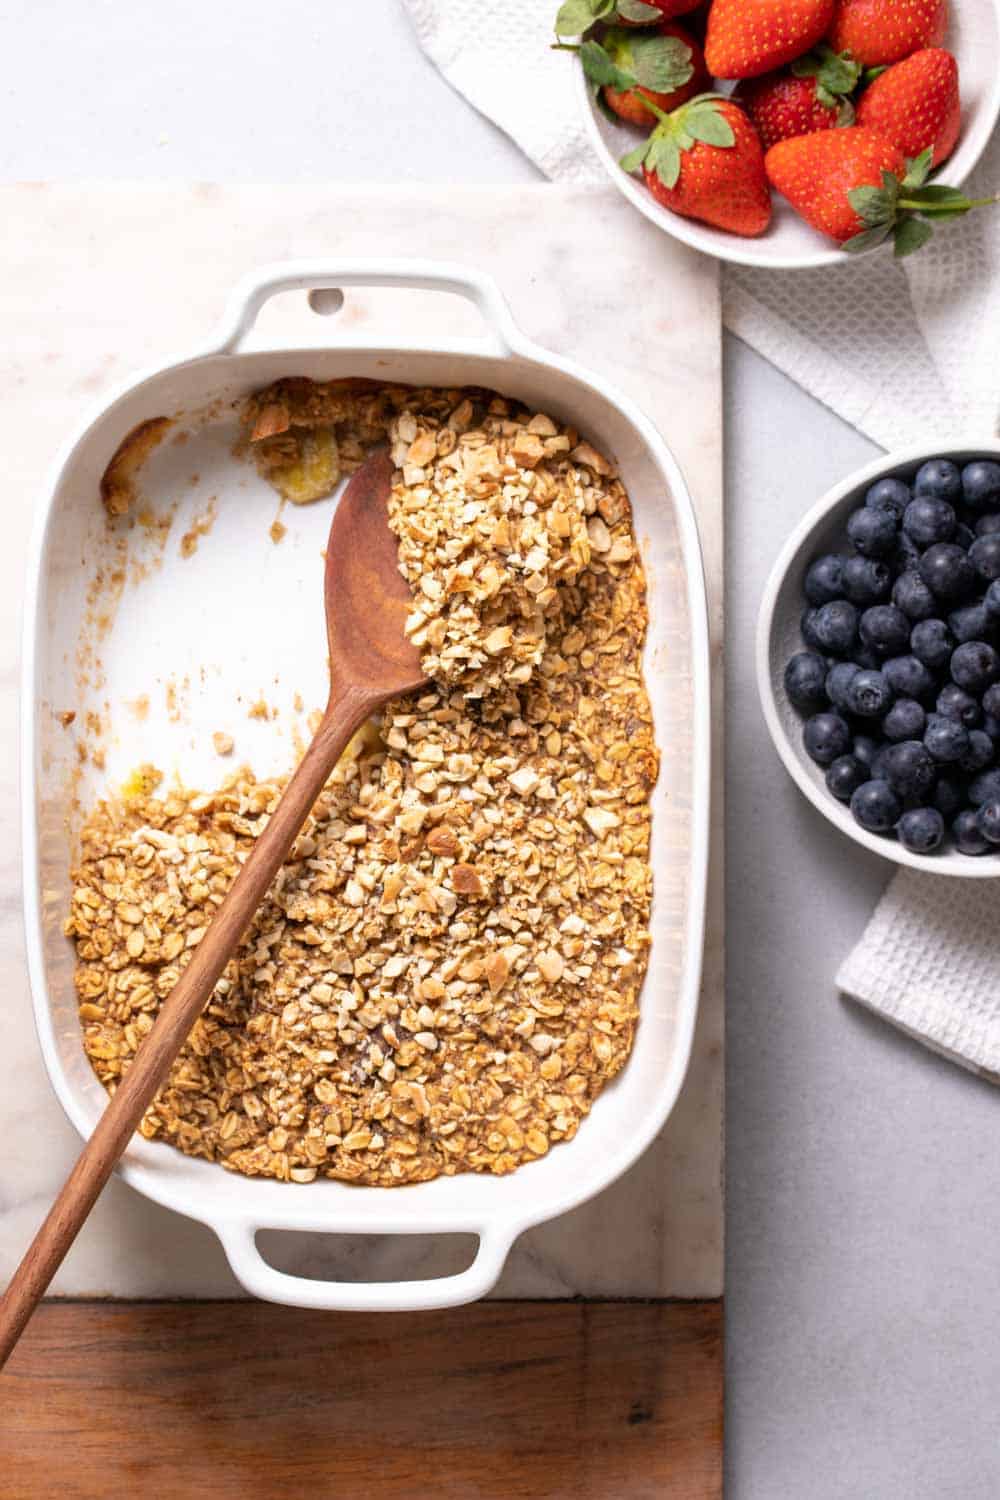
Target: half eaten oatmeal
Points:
(446, 972)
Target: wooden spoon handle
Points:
(178, 1014)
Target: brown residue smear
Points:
(118, 482)
(140, 707)
(180, 438)
(94, 725)
(176, 694)
(200, 526)
(277, 532)
(260, 710)
(297, 703)
(66, 717)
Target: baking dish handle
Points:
(264, 1281)
(249, 295)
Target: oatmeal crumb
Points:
(447, 971)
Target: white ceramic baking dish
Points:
(201, 637)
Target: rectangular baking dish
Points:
(176, 647)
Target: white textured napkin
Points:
(906, 353)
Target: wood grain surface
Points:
(552, 1401)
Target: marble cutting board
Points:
(98, 281)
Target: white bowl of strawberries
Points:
(789, 133)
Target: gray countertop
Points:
(863, 1358)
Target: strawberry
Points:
(669, 57)
(650, 12)
(705, 161)
(816, 173)
(886, 31)
(857, 187)
(749, 37)
(812, 96)
(915, 104)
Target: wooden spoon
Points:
(371, 661)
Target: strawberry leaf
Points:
(634, 159)
(867, 239)
(872, 205)
(638, 11)
(662, 63)
(836, 73)
(665, 158)
(910, 235)
(918, 168)
(704, 122)
(577, 16)
(601, 70)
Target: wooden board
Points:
(553, 1401)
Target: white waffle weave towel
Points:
(906, 354)
(930, 963)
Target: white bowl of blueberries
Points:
(878, 658)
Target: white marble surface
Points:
(862, 1213)
(658, 1231)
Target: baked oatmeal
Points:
(446, 972)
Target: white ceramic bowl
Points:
(790, 243)
(209, 625)
(778, 638)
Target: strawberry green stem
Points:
(957, 207)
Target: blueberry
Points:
(988, 821)
(836, 627)
(844, 777)
(909, 768)
(984, 788)
(807, 627)
(988, 525)
(991, 726)
(955, 703)
(991, 601)
(964, 536)
(876, 807)
(974, 666)
(865, 749)
(947, 571)
(905, 720)
(970, 623)
(838, 680)
(826, 736)
(879, 768)
(885, 629)
(932, 643)
(869, 695)
(911, 594)
(991, 701)
(968, 838)
(873, 532)
(805, 678)
(938, 477)
(981, 752)
(865, 580)
(928, 520)
(946, 740)
(889, 494)
(984, 555)
(822, 581)
(867, 659)
(948, 796)
(981, 484)
(908, 677)
(920, 830)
